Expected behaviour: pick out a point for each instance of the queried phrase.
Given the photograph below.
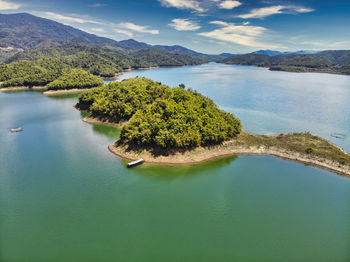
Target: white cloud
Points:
(218, 23)
(138, 28)
(68, 19)
(245, 35)
(124, 32)
(184, 25)
(98, 30)
(229, 4)
(183, 4)
(276, 9)
(5, 5)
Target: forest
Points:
(41, 66)
(337, 61)
(160, 117)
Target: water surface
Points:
(64, 197)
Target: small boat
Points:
(137, 162)
(14, 130)
(338, 135)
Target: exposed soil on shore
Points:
(23, 88)
(65, 91)
(244, 144)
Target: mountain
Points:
(165, 58)
(226, 54)
(274, 53)
(28, 31)
(333, 61)
(133, 44)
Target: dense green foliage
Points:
(159, 116)
(165, 58)
(75, 78)
(327, 61)
(42, 66)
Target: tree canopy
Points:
(75, 78)
(159, 116)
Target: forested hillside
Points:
(164, 58)
(41, 66)
(337, 61)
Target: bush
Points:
(310, 150)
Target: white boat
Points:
(14, 130)
(137, 162)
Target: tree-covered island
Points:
(176, 126)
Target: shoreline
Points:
(23, 88)
(66, 91)
(202, 155)
(96, 121)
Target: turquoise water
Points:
(64, 197)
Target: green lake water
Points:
(65, 197)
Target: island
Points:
(179, 126)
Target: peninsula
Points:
(175, 126)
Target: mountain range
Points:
(25, 36)
(27, 31)
(274, 52)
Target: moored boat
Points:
(137, 162)
(14, 130)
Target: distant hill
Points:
(337, 61)
(274, 53)
(226, 54)
(176, 49)
(165, 58)
(133, 44)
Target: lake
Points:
(65, 197)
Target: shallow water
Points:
(64, 197)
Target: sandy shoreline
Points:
(65, 91)
(23, 88)
(95, 121)
(229, 148)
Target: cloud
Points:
(5, 5)
(124, 32)
(138, 28)
(97, 5)
(245, 35)
(98, 30)
(184, 25)
(183, 4)
(276, 9)
(229, 4)
(122, 28)
(68, 19)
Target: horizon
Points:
(209, 26)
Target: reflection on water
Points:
(182, 172)
(107, 130)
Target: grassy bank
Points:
(301, 147)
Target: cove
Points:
(65, 197)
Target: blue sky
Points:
(209, 26)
